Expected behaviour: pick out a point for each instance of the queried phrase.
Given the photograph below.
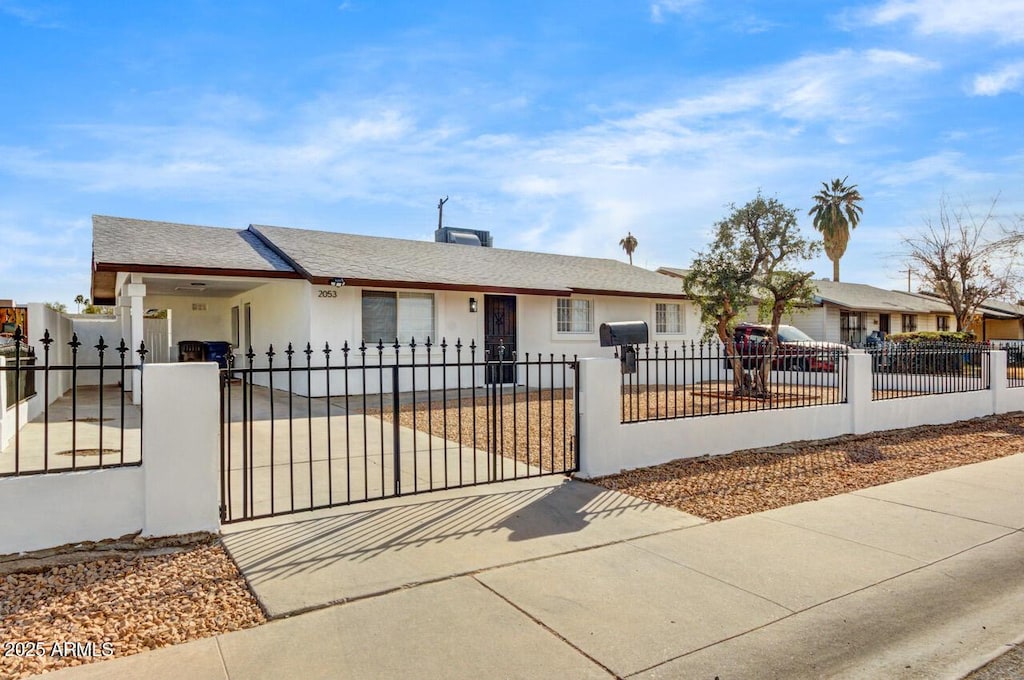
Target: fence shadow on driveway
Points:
(357, 551)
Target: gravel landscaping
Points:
(117, 598)
(536, 429)
(750, 481)
(66, 608)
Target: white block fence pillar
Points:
(181, 448)
(858, 392)
(601, 452)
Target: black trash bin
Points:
(221, 352)
(206, 350)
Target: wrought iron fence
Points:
(703, 379)
(21, 385)
(306, 428)
(67, 414)
(1014, 360)
(902, 370)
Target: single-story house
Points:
(268, 285)
(849, 312)
(994, 320)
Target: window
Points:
(668, 318)
(909, 323)
(942, 323)
(575, 315)
(851, 327)
(388, 315)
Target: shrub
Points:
(951, 337)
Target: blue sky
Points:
(559, 126)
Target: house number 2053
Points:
(328, 293)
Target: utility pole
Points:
(440, 210)
(909, 271)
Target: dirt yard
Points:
(750, 481)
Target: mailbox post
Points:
(625, 335)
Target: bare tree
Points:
(965, 258)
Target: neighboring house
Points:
(849, 312)
(273, 285)
(994, 320)
(999, 321)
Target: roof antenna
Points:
(440, 210)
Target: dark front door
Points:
(883, 323)
(500, 337)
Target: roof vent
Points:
(466, 237)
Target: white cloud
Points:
(663, 171)
(943, 167)
(37, 17)
(660, 8)
(1010, 78)
(1001, 18)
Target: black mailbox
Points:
(623, 333)
(626, 335)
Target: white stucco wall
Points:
(212, 323)
(174, 491)
(607, 446)
(334, 315)
(89, 331)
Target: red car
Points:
(796, 350)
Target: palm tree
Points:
(629, 245)
(836, 211)
(80, 300)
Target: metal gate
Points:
(400, 420)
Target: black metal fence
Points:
(21, 385)
(1014, 361)
(902, 370)
(86, 421)
(703, 379)
(315, 428)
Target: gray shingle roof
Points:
(122, 241)
(367, 259)
(859, 296)
(997, 309)
(674, 271)
(323, 255)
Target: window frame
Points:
(569, 301)
(680, 318)
(913, 323)
(396, 296)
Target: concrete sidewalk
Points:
(922, 578)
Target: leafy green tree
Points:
(752, 260)
(836, 211)
(629, 244)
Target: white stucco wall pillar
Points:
(858, 391)
(600, 428)
(1001, 397)
(180, 448)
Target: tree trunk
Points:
(835, 270)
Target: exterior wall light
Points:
(472, 305)
(337, 282)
